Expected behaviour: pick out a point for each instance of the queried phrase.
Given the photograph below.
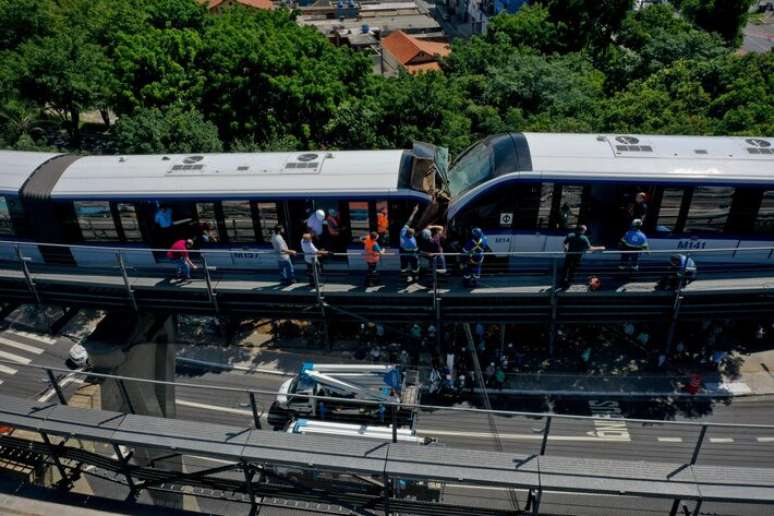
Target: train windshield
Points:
(474, 167)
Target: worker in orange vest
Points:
(383, 224)
(372, 252)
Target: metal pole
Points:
(56, 387)
(394, 424)
(210, 293)
(254, 406)
(554, 308)
(125, 469)
(129, 291)
(386, 495)
(27, 275)
(249, 473)
(321, 303)
(55, 455)
(675, 314)
(699, 442)
(546, 431)
(125, 394)
(436, 300)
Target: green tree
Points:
(726, 17)
(21, 20)
(530, 26)
(175, 130)
(587, 23)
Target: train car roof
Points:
(616, 156)
(16, 167)
(236, 176)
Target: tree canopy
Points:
(175, 78)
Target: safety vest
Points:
(476, 252)
(333, 226)
(687, 266)
(382, 223)
(635, 239)
(371, 256)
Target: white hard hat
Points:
(320, 215)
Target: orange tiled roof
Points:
(422, 67)
(258, 4)
(406, 48)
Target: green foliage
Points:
(725, 17)
(21, 20)
(584, 23)
(531, 26)
(176, 130)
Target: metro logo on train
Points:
(525, 190)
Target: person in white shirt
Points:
(311, 255)
(287, 273)
(315, 224)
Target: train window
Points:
(129, 222)
(207, 218)
(570, 206)
(96, 221)
(268, 217)
(238, 217)
(544, 209)
(669, 212)
(6, 227)
(383, 222)
(709, 209)
(764, 221)
(358, 220)
(473, 168)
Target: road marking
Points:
(19, 345)
(14, 358)
(670, 439)
(71, 378)
(215, 408)
(766, 439)
(33, 336)
(609, 426)
(521, 437)
(7, 370)
(721, 440)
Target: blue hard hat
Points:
(477, 233)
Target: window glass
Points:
(544, 209)
(764, 222)
(670, 209)
(6, 228)
(208, 220)
(268, 216)
(239, 221)
(473, 168)
(129, 223)
(709, 209)
(358, 220)
(383, 222)
(95, 220)
(570, 206)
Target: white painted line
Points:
(670, 439)
(524, 437)
(34, 336)
(766, 439)
(7, 370)
(14, 358)
(19, 345)
(721, 440)
(214, 408)
(210, 459)
(71, 378)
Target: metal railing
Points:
(604, 434)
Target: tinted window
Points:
(544, 209)
(268, 217)
(669, 213)
(570, 206)
(95, 221)
(710, 206)
(358, 220)
(764, 221)
(472, 169)
(129, 222)
(6, 227)
(207, 218)
(383, 222)
(238, 217)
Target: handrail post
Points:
(436, 301)
(394, 423)
(554, 306)
(55, 385)
(125, 394)
(211, 295)
(546, 431)
(27, 275)
(321, 302)
(675, 314)
(699, 442)
(254, 407)
(125, 276)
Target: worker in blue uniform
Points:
(633, 240)
(474, 250)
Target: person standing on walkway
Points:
(333, 223)
(284, 254)
(576, 244)
(409, 262)
(179, 252)
(474, 249)
(314, 224)
(682, 270)
(372, 252)
(435, 247)
(311, 257)
(633, 240)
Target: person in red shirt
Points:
(179, 252)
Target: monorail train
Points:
(526, 190)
